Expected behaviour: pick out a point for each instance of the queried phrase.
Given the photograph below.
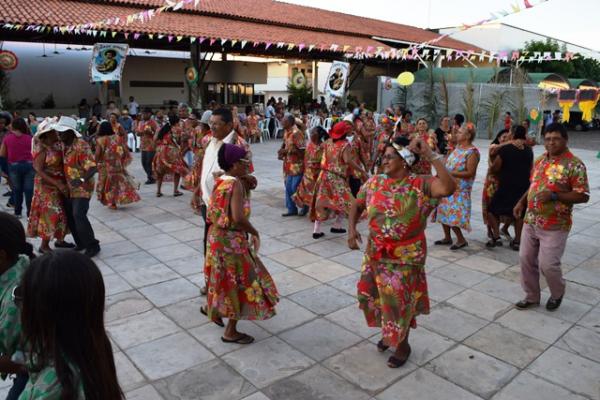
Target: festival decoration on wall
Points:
(566, 99)
(8, 60)
(587, 98)
(405, 78)
(335, 85)
(298, 80)
(108, 60)
(191, 75)
(534, 115)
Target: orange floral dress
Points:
(392, 289)
(252, 127)
(239, 285)
(332, 191)
(47, 218)
(200, 141)
(168, 159)
(115, 185)
(312, 167)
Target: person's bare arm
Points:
(237, 209)
(496, 165)
(348, 159)
(354, 238)
(3, 151)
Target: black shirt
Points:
(441, 139)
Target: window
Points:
(216, 92)
(240, 93)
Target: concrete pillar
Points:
(315, 79)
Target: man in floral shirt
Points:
(558, 181)
(80, 167)
(146, 129)
(292, 154)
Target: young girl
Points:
(312, 167)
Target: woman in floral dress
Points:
(428, 136)
(454, 212)
(200, 137)
(115, 186)
(169, 155)
(332, 191)
(47, 218)
(312, 166)
(239, 286)
(383, 137)
(253, 133)
(392, 289)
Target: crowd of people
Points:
(394, 174)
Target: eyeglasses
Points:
(16, 296)
(390, 156)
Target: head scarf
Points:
(405, 153)
(233, 153)
(340, 129)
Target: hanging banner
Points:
(336, 79)
(107, 62)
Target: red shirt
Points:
(18, 148)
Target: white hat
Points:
(206, 117)
(349, 118)
(67, 124)
(47, 125)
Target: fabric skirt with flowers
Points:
(391, 295)
(192, 179)
(455, 210)
(115, 187)
(168, 160)
(239, 285)
(47, 218)
(332, 192)
(489, 188)
(306, 190)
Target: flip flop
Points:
(159, 195)
(442, 242)
(458, 246)
(243, 339)
(395, 362)
(217, 321)
(177, 194)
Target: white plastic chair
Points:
(278, 128)
(264, 130)
(327, 124)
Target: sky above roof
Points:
(568, 20)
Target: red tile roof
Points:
(253, 20)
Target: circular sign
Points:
(405, 79)
(191, 74)
(534, 115)
(8, 60)
(298, 80)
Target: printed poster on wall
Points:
(336, 80)
(107, 62)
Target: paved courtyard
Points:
(473, 345)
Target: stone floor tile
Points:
(149, 275)
(129, 377)
(139, 232)
(534, 324)
(462, 276)
(581, 341)
(173, 252)
(141, 328)
(530, 387)
(294, 258)
(569, 310)
(270, 246)
(291, 281)
(273, 266)
(322, 299)
(450, 322)
(315, 383)
(117, 249)
(134, 260)
(124, 304)
(501, 288)
(440, 289)
(144, 393)
(422, 384)
(209, 335)
(591, 320)
(585, 275)
(289, 315)
(197, 279)
(472, 370)
(256, 396)
(165, 293)
(480, 304)
(154, 241)
(433, 263)
(320, 339)
(426, 345)
(176, 225)
(580, 293)
(346, 284)
(506, 345)
(351, 259)
(364, 366)
(213, 380)
(187, 313)
(573, 372)
(115, 284)
(482, 264)
(325, 270)
(353, 319)
(444, 253)
(267, 361)
(189, 234)
(124, 222)
(168, 355)
(327, 248)
(188, 265)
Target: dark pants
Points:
(76, 209)
(291, 185)
(21, 176)
(147, 157)
(206, 225)
(271, 126)
(18, 386)
(355, 185)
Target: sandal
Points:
(177, 194)
(203, 291)
(159, 195)
(515, 245)
(494, 242)
(443, 242)
(243, 339)
(217, 321)
(459, 246)
(395, 362)
(381, 347)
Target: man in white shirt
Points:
(133, 107)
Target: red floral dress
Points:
(200, 141)
(47, 218)
(115, 185)
(423, 167)
(239, 285)
(312, 167)
(168, 159)
(392, 289)
(332, 191)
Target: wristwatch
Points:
(554, 196)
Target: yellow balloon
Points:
(405, 79)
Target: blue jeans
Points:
(21, 176)
(291, 184)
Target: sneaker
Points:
(318, 235)
(337, 230)
(525, 304)
(7, 194)
(553, 304)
